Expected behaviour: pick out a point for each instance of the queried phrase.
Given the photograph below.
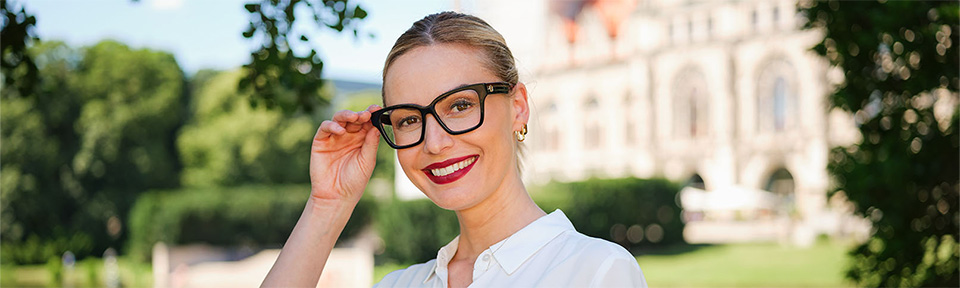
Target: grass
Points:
(86, 273)
(747, 265)
(734, 265)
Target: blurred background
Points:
(724, 143)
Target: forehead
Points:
(425, 72)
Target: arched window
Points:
(782, 185)
(779, 104)
(690, 108)
(776, 98)
(696, 181)
(591, 133)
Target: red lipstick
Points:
(456, 175)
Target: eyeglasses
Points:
(457, 111)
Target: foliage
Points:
(635, 213)
(414, 229)
(418, 228)
(16, 65)
(274, 66)
(227, 142)
(252, 216)
(901, 82)
(96, 131)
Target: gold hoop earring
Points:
(522, 134)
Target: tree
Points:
(229, 142)
(275, 67)
(901, 83)
(16, 65)
(96, 132)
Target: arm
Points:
(341, 162)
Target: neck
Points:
(505, 212)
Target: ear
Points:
(521, 107)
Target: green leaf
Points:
(359, 13)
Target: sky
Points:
(206, 34)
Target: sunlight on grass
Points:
(87, 273)
(734, 265)
(748, 265)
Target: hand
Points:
(343, 155)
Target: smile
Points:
(450, 170)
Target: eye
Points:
(461, 105)
(408, 121)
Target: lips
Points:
(450, 170)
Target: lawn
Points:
(87, 273)
(735, 265)
(747, 265)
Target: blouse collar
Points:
(513, 251)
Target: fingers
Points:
(352, 121)
(328, 128)
(346, 121)
(346, 116)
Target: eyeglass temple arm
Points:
(498, 88)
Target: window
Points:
(551, 139)
(591, 133)
(710, 27)
(776, 15)
(782, 185)
(690, 99)
(779, 104)
(776, 98)
(629, 136)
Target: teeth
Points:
(452, 168)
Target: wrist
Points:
(334, 211)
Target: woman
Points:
(461, 149)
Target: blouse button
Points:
(486, 257)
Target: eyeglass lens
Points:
(459, 111)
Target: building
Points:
(723, 95)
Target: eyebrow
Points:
(438, 95)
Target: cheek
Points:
(407, 159)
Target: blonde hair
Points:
(458, 28)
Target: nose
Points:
(435, 138)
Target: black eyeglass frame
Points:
(483, 89)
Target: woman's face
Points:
(456, 171)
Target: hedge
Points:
(414, 230)
(635, 213)
(254, 216)
(605, 208)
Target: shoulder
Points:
(597, 249)
(410, 276)
(610, 264)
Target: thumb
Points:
(370, 143)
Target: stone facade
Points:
(723, 95)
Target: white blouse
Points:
(548, 252)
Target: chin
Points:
(453, 198)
